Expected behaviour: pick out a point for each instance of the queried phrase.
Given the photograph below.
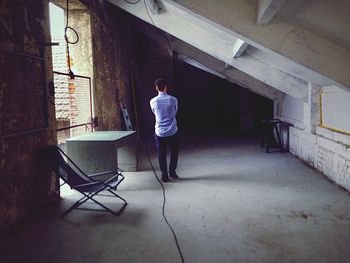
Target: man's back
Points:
(164, 108)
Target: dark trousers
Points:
(162, 144)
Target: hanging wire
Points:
(144, 2)
(150, 17)
(67, 27)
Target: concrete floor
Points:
(233, 203)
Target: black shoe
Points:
(174, 176)
(165, 179)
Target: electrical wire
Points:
(144, 2)
(149, 15)
(150, 162)
(163, 208)
(71, 74)
(66, 37)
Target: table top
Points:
(277, 121)
(102, 136)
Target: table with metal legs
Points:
(275, 135)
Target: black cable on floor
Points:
(163, 208)
(132, 3)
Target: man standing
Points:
(165, 108)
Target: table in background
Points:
(104, 151)
(275, 133)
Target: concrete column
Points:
(314, 101)
(312, 108)
(277, 105)
(307, 111)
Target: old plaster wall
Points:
(26, 184)
(112, 50)
(81, 52)
(105, 56)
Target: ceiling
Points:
(269, 46)
(328, 19)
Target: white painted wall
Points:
(293, 111)
(326, 150)
(336, 109)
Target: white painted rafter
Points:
(217, 41)
(231, 74)
(238, 48)
(267, 9)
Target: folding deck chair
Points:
(85, 184)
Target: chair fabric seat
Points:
(97, 186)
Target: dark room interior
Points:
(263, 166)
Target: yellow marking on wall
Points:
(321, 119)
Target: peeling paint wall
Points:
(331, 158)
(26, 184)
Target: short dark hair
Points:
(160, 84)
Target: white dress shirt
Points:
(164, 108)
